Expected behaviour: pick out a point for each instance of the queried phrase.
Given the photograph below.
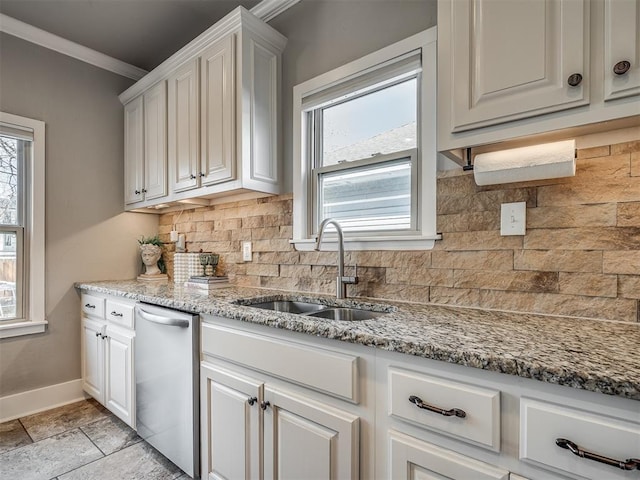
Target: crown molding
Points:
(265, 10)
(268, 9)
(53, 42)
(236, 20)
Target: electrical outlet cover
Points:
(246, 251)
(513, 218)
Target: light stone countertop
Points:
(595, 355)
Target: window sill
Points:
(16, 329)
(370, 243)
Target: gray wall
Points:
(87, 236)
(326, 34)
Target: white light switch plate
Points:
(246, 251)
(513, 218)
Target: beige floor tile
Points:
(137, 462)
(111, 434)
(58, 420)
(13, 435)
(48, 458)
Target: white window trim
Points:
(427, 235)
(34, 321)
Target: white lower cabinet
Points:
(93, 357)
(573, 441)
(230, 424)
(304, 438)
(260, 421)
(107, 356)
(413, 459)
(282, 405)
(119, 383)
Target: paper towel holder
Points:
(524, 164)
(469, 164)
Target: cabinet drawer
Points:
(324, 370)
(92, 305)
(120, 313)
(542, 423)
(472, 413)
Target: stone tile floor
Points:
(80, 441)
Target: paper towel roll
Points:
(537, 162)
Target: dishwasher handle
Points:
(162, 320)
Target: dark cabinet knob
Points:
(252, 400)
(144, 190)
(574, 80)
(622, 67)
(264, 405)
(202, 174)
(137, 192)
(193, 177)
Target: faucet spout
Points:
(341, 281)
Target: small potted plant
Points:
(151, 252)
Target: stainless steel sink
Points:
(346, 314)
(290, 306)
(317, 310)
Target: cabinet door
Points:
(260, 91)
(119, 386)
(133, 151)
(155, 141)
(230, 424)
(92, 346)
(310, 440)
(217, 84)
(507, 60)
(413, 459)
(183, 114)
(621, 43)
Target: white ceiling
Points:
(139, 32)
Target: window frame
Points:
(33, 234)
(305, 205)
(316, 205)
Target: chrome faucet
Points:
(341, 281)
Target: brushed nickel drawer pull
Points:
(417, 401)
(629, 464)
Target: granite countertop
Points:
(600, 356)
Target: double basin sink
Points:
(317, 310)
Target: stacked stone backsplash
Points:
(580, 256)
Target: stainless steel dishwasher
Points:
(167, 386)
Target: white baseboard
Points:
(40, 399)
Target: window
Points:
(364, 149)
(21, 226)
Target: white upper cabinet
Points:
(145, 146)
(133, 151)
(221, 118)
(217, 88)
(621, 48)
(155, 142)
(183, 113)
(516, 59)
(511, 69)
